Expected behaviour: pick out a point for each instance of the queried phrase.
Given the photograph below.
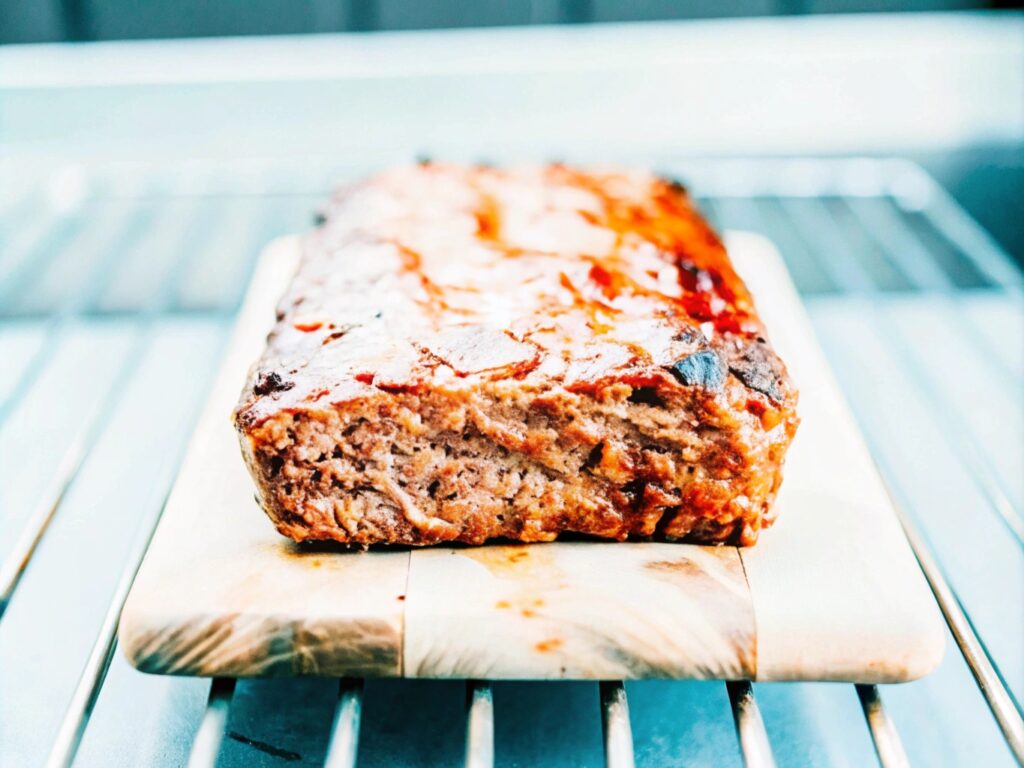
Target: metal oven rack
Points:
(117, 286)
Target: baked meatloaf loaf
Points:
(468, 353)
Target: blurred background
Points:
(149, 150)
(78, 20)
(982, 165)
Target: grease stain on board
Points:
(547, 646)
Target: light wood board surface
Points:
(831, 592)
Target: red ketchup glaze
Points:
(653, 261)
(710, 289)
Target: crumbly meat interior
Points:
(423, 387)
(431, 467)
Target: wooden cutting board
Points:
(831, 592)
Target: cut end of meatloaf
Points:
(468, 353)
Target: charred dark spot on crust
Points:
(673, 184)
(432, 488)
(759, 369)
(341, 332)
(594, 457)
(646, 396)
(701, 369)
(398, 388)
(269, 382)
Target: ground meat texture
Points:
(467, 353)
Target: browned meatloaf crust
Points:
(468, 353)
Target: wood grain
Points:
(580, 611)
(837, 592)
(831, 592)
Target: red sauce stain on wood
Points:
(529, 611)
(546, 646)
(527, 561)
(683, 566)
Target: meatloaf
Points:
(468, 353)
